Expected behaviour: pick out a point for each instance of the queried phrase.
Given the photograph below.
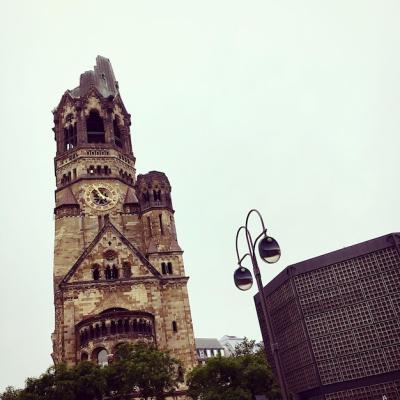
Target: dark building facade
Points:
(336, 323)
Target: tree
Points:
(247, 346)
(86, 381)
(10, 393)
(139, 369)
(144, 369)
(239, 377)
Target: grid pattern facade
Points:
(338, 323)
(352, 315)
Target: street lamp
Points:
(270, 252)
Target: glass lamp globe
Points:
(269, 250)
(243, 278)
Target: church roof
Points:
(130, 197)
(102, 78)
(67, 198)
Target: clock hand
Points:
(99, 193)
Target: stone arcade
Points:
(118, 268)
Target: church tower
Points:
(118, 269)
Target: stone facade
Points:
(118, 269)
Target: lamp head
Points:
(243, 278)
(269, 250)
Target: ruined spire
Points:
(102, 77)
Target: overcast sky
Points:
(291, 107)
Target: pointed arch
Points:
(95, 127)
(117, 131)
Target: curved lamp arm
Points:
(249, 244)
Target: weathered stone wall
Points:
(118, 270)
(80, 297)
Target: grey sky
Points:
(289, 106)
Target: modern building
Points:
(336, 323)
(207, 348)
(230, 342)
(118, 269)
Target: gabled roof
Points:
(67, 198)
(130, 197)
(109, 227)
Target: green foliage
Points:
(239, 377)
(10, 393)
(136, 368)
(143, 369)
(86, 381)
(247, 347)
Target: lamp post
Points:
(269, 252)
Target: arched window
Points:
(163, 268)
(148, 327)
(135, 325)
(169, 268)
(103, 329)
(120, 326)
(114, 272)
(127, 269)
(97, 331)
(102, 357)
(85, 336)
(96, 272)
(95, 127)
(91, 332)
(113, 328)
(108, 273)
(117, 132)
(157, 195)
(174, 326)
(126, 326)
(70, 135)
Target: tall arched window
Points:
(102, 357)
(127, 269)
(163, 268)
(95, 127)
(113, 328)
(117, 132)
(169, 268)
(135, 325)
(97, 331)
(103, 329)
(96, 272)
(108, 273)
(114, 272)
(120, 326)
(70, 133)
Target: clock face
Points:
(101, 196)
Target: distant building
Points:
(336, 323)
(207, 348)
(230, 342)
